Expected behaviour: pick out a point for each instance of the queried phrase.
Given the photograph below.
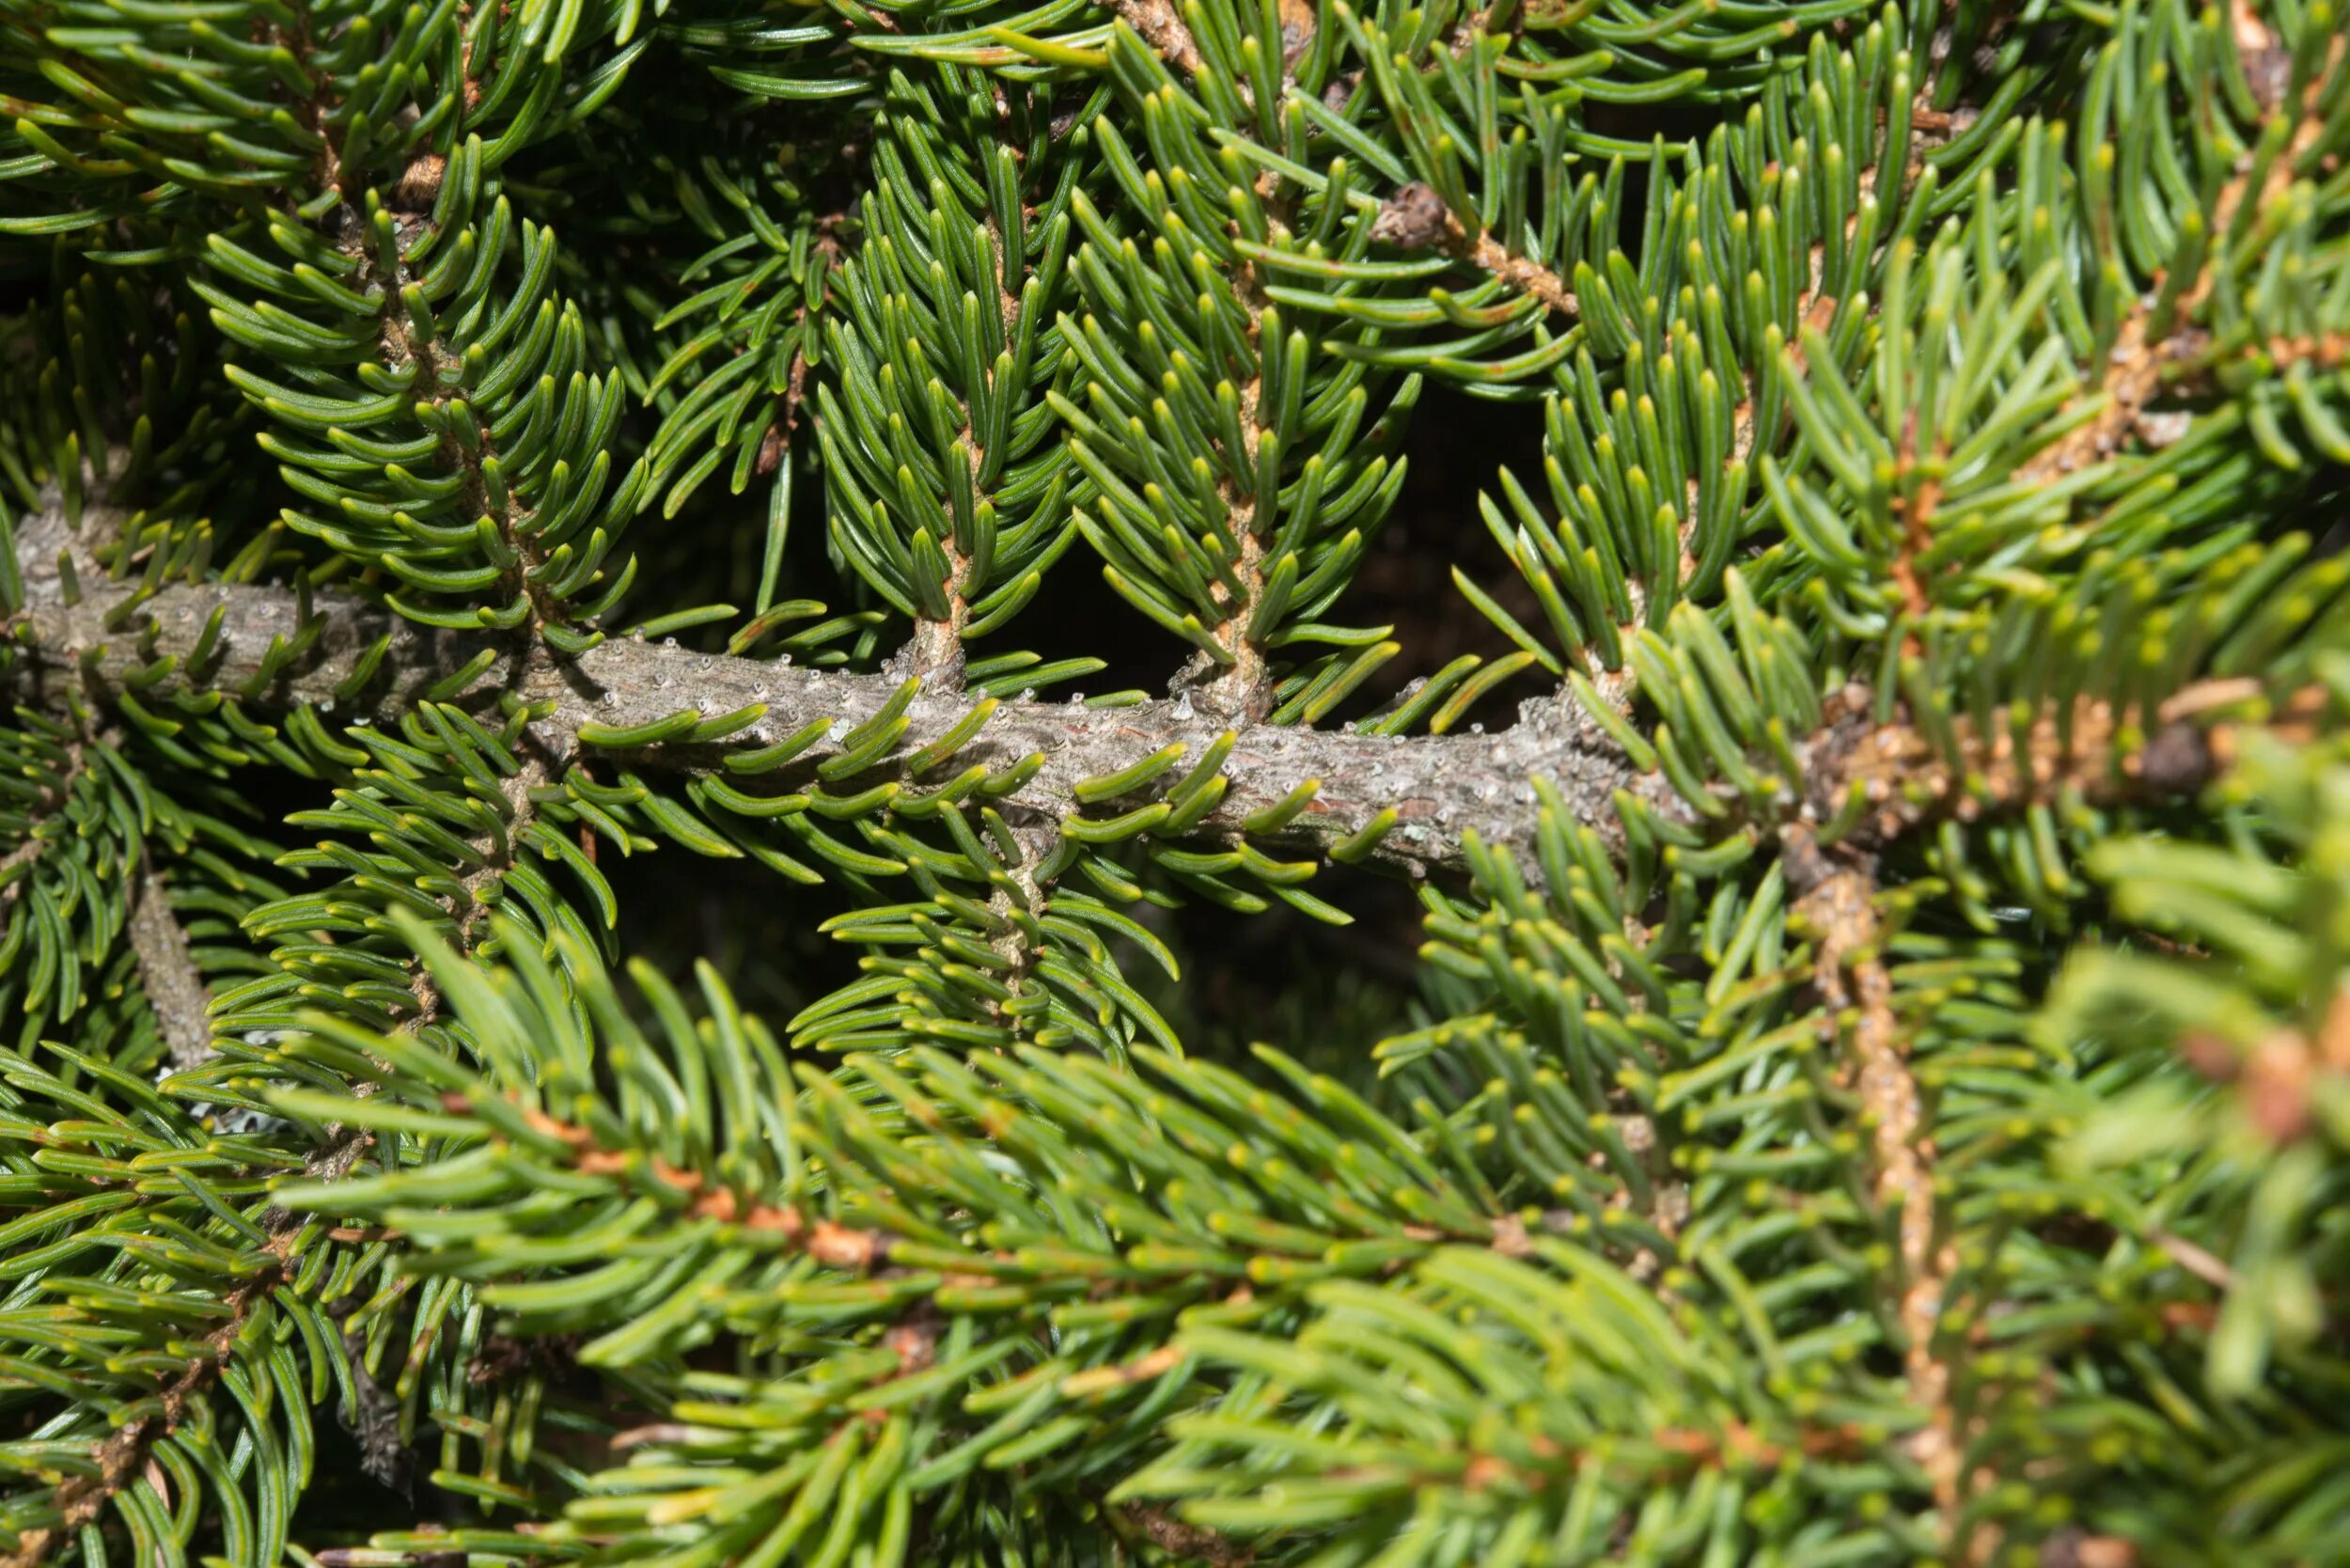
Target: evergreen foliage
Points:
(1876, 1084)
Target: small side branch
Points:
(122, 1454)
(1417, 218)
(2156, 345)
(175, 989)
(1179, 1538)
(496, 851)
(1156, 23)
(1841, 909)
(1243, 692)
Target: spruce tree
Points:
(575, 988)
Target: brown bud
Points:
(1413, 219)
(2277, 1087)
(843, 1247)
(916, 1345)
(2177, 760)
(420, 183)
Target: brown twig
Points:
(1243, 689)
(1156, 23)
(1179, 1538)
(2134, 370)
(1417, 218)
(166, 966)
(2142, 362)
(45, 810)
(1841, 909)
(122, 1454)
(1914, 508)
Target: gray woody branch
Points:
(1440, 787)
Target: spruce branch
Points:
(497, 850)
(1025, 893)
(1776, 1162)
(16, 866)
(935, 652)
(1442, 789)
(2159, 344)
(121, 1457)
(1243, 689)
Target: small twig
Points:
(1179, 1539)
(1841, 908)
(1417, 218)
(122, 1454)
(1158, 26)
(175, 989)
(2139, 364)
(1244, 689)
(496, 849)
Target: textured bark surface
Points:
(167, 971)
(1440, 787)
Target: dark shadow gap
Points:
(1076, 615)
(754, 927)
(1324, 994)
(1456, 446)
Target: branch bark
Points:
(1442, 788)
(1841, 911)
(175, 989)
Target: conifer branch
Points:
(16, 866)
(1777, 1161)
(697, 1194)
(1442, 788)
(497, 853)
(1025, 894)
(2157, 343)
(81, 1500)
(1244, 689)
(935, 652)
